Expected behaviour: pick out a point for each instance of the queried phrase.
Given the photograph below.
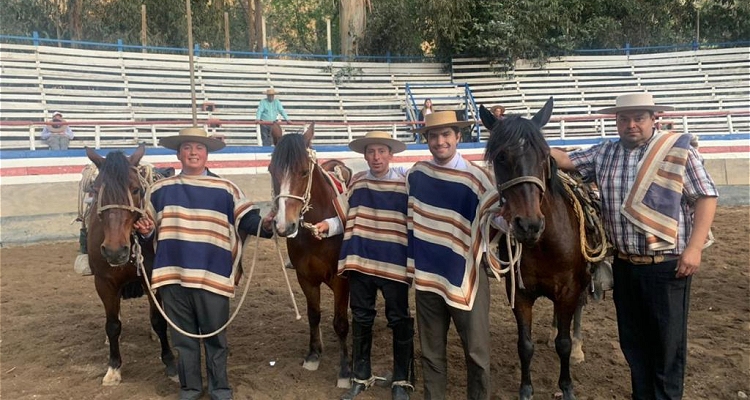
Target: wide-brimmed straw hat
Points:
(635, 101)
(377, 137)
(270, 91)
(441, 119)
(193, 134)
(501, 108)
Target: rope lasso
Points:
(591, 254)
(286, 278)
(142, 267)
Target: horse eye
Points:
(305, 173)
(136, 191)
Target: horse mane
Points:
(290, 153)
(115, 173)
(517, 138)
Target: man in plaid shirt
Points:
(651, 287)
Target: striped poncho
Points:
(196, 243)
(653, 202)
(375, 234)
(443, 227)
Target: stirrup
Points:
(405, 384)
(81, 265)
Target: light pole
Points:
(190, 59)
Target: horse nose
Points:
(117, 256)
(528, 230)
(287, 230)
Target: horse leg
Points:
(312, 294)
(110, 297)
(523, 314)
(563, 346)
(576, 353)
(159, 326)
(341, 327)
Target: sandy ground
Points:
(52, 327)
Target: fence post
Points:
(197, 50)
(154, 139)
(684, 124)
(119, 46)
(35, 35)
(562, 129)
(729, 123)
(32, 138)
(627, 49)
(388, 57)
(601, 126)
(97, 137)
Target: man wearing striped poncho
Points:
(194, 220)
(373, 258)
(443, 213)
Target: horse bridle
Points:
(526, 179)
(305, 199)
(127, 207)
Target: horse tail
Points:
(132, 290)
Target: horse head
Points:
(520, 158)
(292, 168)
(118, 201)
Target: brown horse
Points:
(540, 217)
(303, 195)
(118, 203)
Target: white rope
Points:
(286, 278)
(512, 266)
(141, 267)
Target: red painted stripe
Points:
(725, 149)
(75, 169)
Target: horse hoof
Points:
(311, 365)
(576, 358)
(112, 378)
(344, 383)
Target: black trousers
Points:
(199, 311)
(652, 313)
(363, 292)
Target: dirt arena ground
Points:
(52, 327)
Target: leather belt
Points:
(647, 260)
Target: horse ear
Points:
(309, 133)
(94, 157)
(542, 116)
(488, 120)
(135, 158)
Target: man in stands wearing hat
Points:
(268, 110)
(445, 195)
(498, 111)
(194, 220)
(57, 134)
(373, 258)
(658, 203)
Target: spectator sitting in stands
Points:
(57, 134)
(498, 111)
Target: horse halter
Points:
(305, 199)
(526, 179)
(127, 207)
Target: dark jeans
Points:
(652, 313)
(363, 292)
(199, 311)
(433, 318)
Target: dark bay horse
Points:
(541, 217)
(304, 196)
(118, 202)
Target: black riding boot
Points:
(361, 346)
(403, 359)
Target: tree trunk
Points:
(75, 15)
(258, 25)
(353, 18)
(250, 15)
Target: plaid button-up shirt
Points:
(614, 169)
